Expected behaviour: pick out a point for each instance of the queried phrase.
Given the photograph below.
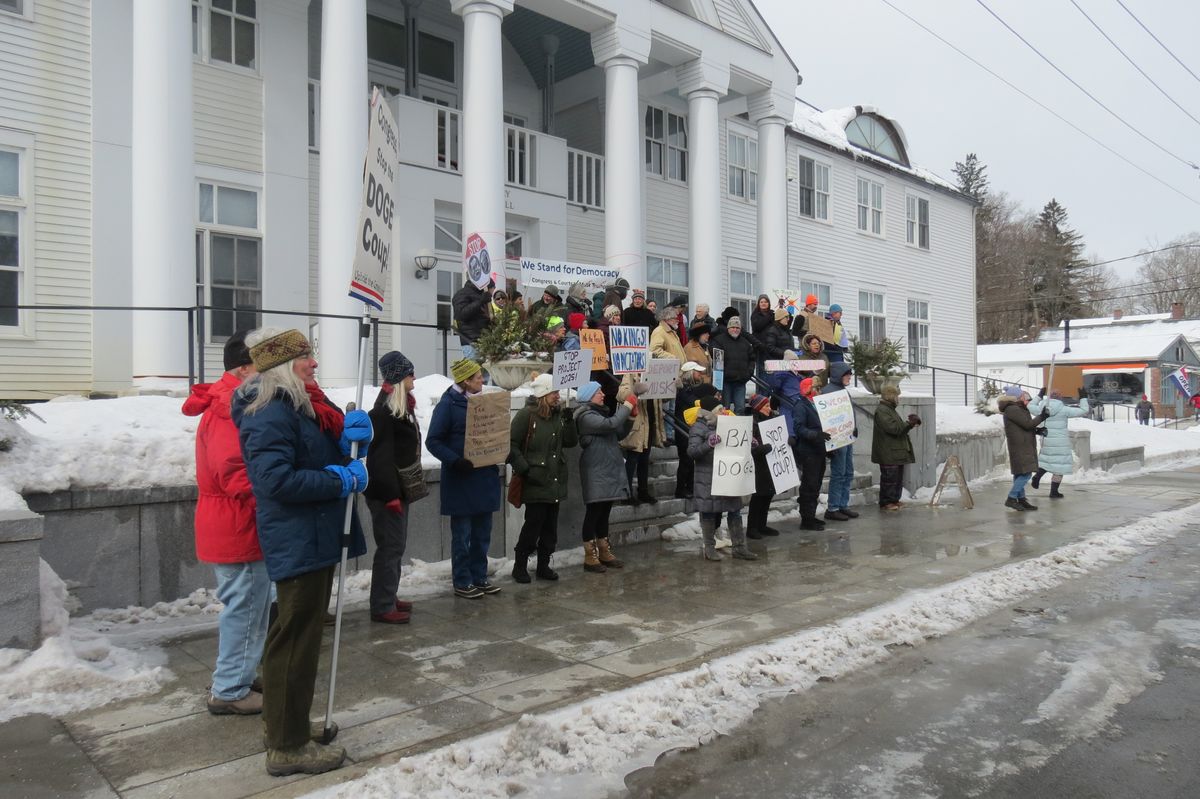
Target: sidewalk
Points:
(463, 667)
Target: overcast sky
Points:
(853, 52)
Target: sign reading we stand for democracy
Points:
(373, 248)
(536, 274)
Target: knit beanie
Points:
(552, 290)
(1013, 391)
(835, 308)
(761, 403)
(587, 391)
(554, 323)
(733, 322)
(609, 310)
(811, 299)
(781, 314)
(464, 369)
(279, 349)
(394, 367)
(236, 352)
(575, 321)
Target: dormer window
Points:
(877, 135)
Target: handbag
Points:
(412, 482)
(516, 485)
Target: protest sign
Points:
(628, 348)
(733, 465)
(593, 340)
(373, 249)
(662, 374)
(780, 460)
(718, 368)
(487, 428)
(794, 366)
(476, 261)
(536, 274)
(571, 368)
(820, 326)
(837, 418)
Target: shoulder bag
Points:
(516, 485)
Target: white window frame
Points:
(447, 226)
(912, 221)
(814, 287)
(202, 36)
(918, 324)
(871, 205)
(206, 230)
(662, 291)
(741, 174)
(23, 204)
(672, 158)
(877, 315)
(820, 188)
(25, 10)
(745, 299)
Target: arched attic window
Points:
(876, 134)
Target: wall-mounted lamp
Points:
(425, 261)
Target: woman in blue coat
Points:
(1056, 456)
(470, 495)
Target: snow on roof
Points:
(1104, 321)
(829, 127)
(1142, 325)
(1100, 349)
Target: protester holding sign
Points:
(647, 432)
(691, 388)
(702, 441)
(764, 485)
(835, 349)
(810, 455)
(892, 449)
(739, 362)
(538, 435)
(601, 471)
(471, 317)
(813, 350)
(841, 460)
(469, 494)
(665, 343)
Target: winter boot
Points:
(644, 495)
(708, 530)
(754, 535)
(1015, 504)
(1055, 493)
(591, 562)
(544, 572)
(812, 524)
(737, 534)
(1026, 504)
(606, 555)
(249, 705)
(1037, 478)
(520, 571)
(312, 758)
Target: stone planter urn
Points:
(875, 382)
(510, 374)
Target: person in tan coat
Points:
(697, 350)
(647, 432)
(665, 343)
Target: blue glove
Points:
(353, 477)
(357, 428)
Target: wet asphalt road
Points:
(1089, 690)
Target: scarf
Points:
(329, 418)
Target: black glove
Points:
(1041, 431)
(1042, 393)
(825, 436)
(462, 466)
(567, 414)
(791, 441)
(914, 420)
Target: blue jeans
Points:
(245, 590)
(470, 537)
(841, 474)
(734, 394)
(1018, 486)
(668, 409)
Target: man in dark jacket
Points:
(690, 390)
(1144, 411)
(764, 485)
(1020, 430)
(739, 362)
(637, 314)
(776, 338)
(470, 306)
(891, 447)
(551, 302)
(810, 455)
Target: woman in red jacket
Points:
(227, 537)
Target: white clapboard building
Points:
(172, 153)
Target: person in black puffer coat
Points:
(470, 305)
(637, 314)
(761, 410)
(738, 350)
(763, 316)
(775, 339)
(810, 455)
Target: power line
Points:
(1142, 254)
(1133, 63)
(1023, 306)
(1160, 43)
(1038, 102)
(1076, 84)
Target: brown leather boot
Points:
(606, 555)
(591, 562)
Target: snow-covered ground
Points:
(587, 748)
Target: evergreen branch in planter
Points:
(885, 357)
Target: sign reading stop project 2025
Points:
(373, 248)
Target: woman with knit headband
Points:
(296, 444)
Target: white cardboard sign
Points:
(794, 366)
(733, 465)
(837, 418)
(662, 374)
(370, 273)
(780, 460)
(572, 368)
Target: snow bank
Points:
(1159, 442)
(74, 669)
(953, 419)
(590, 746)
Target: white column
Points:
(624, 246)
(344, 98)
(772, 205)
(163, 186)
(483, 152)
(704, 177)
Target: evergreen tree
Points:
(973, 182)
(1058, 269)
(972, 177)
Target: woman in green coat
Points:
(540, 432)
(891, 447)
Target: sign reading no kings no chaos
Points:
(628, 349)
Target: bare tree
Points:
(1170, 276)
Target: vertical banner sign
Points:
(1179, 378)
(837, 418)
(718, 369)
(487, 441)
(476, 261)
(628, 348)
(662, 374)
(593, 341)
(373, 250)
(780, 460)
(571, 368)
(733, 465)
